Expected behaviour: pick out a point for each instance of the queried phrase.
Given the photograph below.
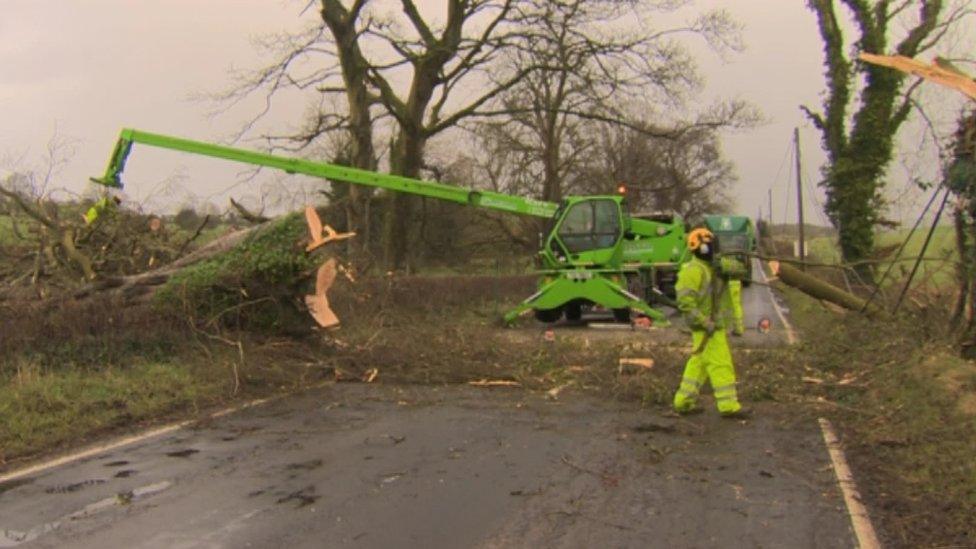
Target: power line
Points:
(925, 246)
(811, 190)
(891, 265)
(779, 171)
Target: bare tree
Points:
(685, 174)
(860, 121)
(426, 75)
(436, 59)
(342, 23)
(55, 233)
(599, 62)
(463, 52)
(28, 195)
(324, 59)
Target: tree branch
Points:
(928, 18)
(838, 77)
(815, 118)
(410, 9)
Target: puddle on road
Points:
(125, 473)
(304, 497)
(116, 463)
(73, 487)
(182, 453)
(13, 538)
(305, 465)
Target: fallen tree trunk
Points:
(819, 289)
(249, 279)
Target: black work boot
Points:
(741, 413)
(672, 413)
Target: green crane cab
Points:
(736, 240)
(594, 253)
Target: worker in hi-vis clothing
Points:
(701, 301)
(735, 296)
(106, 204)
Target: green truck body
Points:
(736, 237)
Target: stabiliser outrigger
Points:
(594, 254)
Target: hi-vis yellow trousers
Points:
(714, 363)
(735, 296)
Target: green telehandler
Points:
(594, 253)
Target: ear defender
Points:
(698, 240)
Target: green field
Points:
(936, 271)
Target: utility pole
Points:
(799, 196)
(769, 194)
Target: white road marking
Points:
(866, 536)
(43, 466)
(790, 333)
(125, 441)
(13, 538)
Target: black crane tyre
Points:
(548, 315)
(621, 315)
(573, 311)
(669, 290)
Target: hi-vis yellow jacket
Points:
(701, 295)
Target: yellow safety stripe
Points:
(725, 392)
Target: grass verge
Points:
(906, 404)
(41, 409)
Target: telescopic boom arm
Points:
(430, 189)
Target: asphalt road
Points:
(375, 466)
(353, 465)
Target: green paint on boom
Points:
(594, 254)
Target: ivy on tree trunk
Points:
(859, 144)
(961, 179)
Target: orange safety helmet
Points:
(699, 236)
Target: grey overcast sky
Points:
(85, 68)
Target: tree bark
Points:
(859, 156)
(342, 25)
(819, 289)
(407, 156)
(407, 160)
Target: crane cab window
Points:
(590, 225)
